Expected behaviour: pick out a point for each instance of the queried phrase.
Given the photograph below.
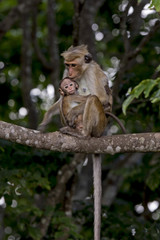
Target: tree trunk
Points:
(26, 69)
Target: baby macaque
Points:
(86, 119)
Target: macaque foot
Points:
(71, 131)
(41, 128)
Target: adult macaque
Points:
(90, 77)
(89, 119)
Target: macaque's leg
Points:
(94, 119)
(79, 123)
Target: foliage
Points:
(22, 175)
(63, 225)
(135, 227)
(146, 86)
(156, 4)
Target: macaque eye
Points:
(67, 65)
(66, 86)
(74, 65)
(70, 65)
(71, 84)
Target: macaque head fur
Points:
(68, 87)
(76, 60)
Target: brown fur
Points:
(91, 80)
(88, 117)
(83, 113)
(75, 52)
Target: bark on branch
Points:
(55, 141)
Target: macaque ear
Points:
(88, 58)
(77, 86)
(61, 91)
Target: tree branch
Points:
(144, 41)
(55, 141)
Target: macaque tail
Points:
(118, 121)
(97, 195)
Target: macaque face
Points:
(74, 68)
(68, 87)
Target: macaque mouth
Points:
(75, 78)
(71, 92)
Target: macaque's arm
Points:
(54, 110)
(77, 98)
(96, 80)
(74, 112)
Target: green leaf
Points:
(156, 96)
(156, 4)
(153, 180)
(158, 68)
(7, 5)
(135, 93)
(149, 85)
(34, 233)
(126, 103)
(145, 87)
(1, 149)
(138, 89)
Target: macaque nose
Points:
(70, 70)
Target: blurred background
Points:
(123, 37)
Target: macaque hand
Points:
(71, 117)
(41, 128)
